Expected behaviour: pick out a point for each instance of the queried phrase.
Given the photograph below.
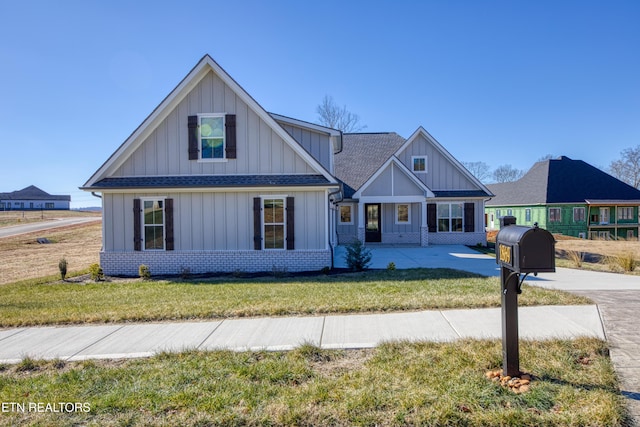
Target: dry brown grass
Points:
(23, 258)
(600, 247)
(597, 254)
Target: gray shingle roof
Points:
(32, 193)
(362, 155)
(561, 180)
(189, 181)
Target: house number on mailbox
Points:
(505, 254)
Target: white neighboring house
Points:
(33, 198)
(211, 182)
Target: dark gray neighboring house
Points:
(33, 198)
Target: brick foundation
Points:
(174, 262)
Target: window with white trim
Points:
(274, 222)
(419, 164)
(527, 215)
(625, 212)
(153, 224)
(578, 214)
(212, 136)
(403, 213)
(346, 215)
(555, 215)
(450, 217)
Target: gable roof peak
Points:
(205, 65)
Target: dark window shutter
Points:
(432, 219)
(168, 224)
(257, 224)
(137, 232)
(469, 218)
(230, 137)
(193, 137)
(290, 224)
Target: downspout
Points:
(93, 193)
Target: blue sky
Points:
(502, 82)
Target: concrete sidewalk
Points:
(282, 333)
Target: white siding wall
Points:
(215, 221)
(441, 173)
(317, 144)
(259, 148)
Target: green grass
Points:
(39, 302)
(396, 384)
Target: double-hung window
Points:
(153, 224)
(555, 215)
(274, 223)
(450, 217)
(578, 214)
(625, 213)
(212, 136)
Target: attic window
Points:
(212, 141)
(419, 164)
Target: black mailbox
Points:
(525, 249)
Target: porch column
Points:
(424, 227)
(361, 222)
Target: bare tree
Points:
(627, 168)
(480, 170)
(333, 116)
(546, 157)
(507, 173)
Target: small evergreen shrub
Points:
(96, 273)
(357, 257)
(391, 266)
(144, 272)
(62, 266)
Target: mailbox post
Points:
(519, 250)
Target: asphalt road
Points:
(15, 230)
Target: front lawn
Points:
(55, 302)
(431, 384)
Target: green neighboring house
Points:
(568, 197)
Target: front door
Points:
(372, 229)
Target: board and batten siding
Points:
(215, 220)
(441, 173)
(318, 145)
(260, 150)
(393, 182)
